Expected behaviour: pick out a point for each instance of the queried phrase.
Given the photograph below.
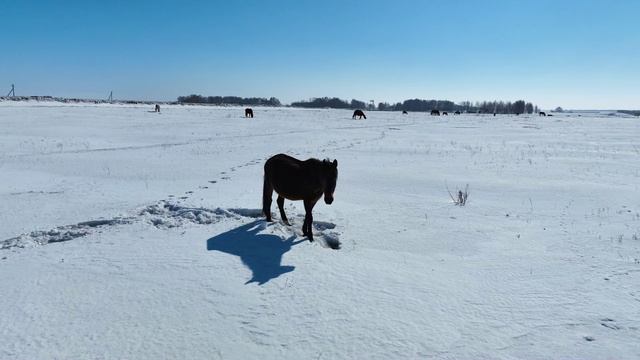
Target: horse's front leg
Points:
(283, 216)
(308, 219)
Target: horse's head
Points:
(331, 176)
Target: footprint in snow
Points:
(609, 323)
(323, 232)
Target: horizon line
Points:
(176, 102)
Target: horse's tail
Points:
(267, 192)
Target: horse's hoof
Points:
(268, 220)
(310, 239)
(287, 223)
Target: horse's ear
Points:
(335, 163)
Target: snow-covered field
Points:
(542, 263)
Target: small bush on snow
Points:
(460, 197)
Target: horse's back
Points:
(282, 165)
(292, 178)
(281, 160)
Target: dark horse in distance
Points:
(359, 113)
(248, 112)
(295, 179)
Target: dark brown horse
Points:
(404, 112)
(542, 113)
(248, 112)
(435, 112)
(359, 113)
(295, 179)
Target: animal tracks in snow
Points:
(167, 215)
(61, 233)
(324, 232)
(224, 176)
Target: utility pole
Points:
(12, 92)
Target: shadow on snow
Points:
(261, 253)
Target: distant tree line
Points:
(630, 112)
(228, 100)
(333, 103)
(497, 107)
(419, 105)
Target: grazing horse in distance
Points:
(435, 112)
(295, 179)
(404, 112)
(457, 112)
(157, 108)
(248, 112)
(542, 113)
(445, 113)
(359, 113)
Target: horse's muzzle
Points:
(328, 200)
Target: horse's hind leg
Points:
(283, 216)
(267, 191)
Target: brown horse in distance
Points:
(248, 112)
(295, 179)
(359, 113)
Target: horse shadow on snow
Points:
(261, 253)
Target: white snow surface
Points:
(127, 234)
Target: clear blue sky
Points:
(575, 53)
